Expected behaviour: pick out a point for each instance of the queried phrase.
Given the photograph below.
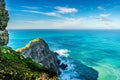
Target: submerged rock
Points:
(4, 37)
(39, 51)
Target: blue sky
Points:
(64, 14)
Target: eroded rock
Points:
(4, 36)
(39, 51)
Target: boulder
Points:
(63, 66)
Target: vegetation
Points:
(27, 45)
(14, 66)
(35, 40)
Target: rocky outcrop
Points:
(39, 51)
(14, 66)
(4, 37)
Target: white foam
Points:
(69, 73)
(62, 52)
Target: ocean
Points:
(99, 49)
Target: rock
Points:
(14, 66)
(59, 61)
(3, 16)
(39, 51)
(63, 66)
(4, 37)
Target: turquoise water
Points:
(99, 49)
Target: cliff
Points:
(14, 66)
(4, 36)
(39, 51)
(35, 61)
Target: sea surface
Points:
(99, 49)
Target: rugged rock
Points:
(3, 16)
(63, 66)
(39, 51)
(4, 37)
(14, 66)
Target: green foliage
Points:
(14, 66)
(26, 75)
(32, 65)
(10, 57)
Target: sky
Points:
(63, 14)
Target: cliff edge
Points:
(39, 51)
(14, 66)
(4, 36)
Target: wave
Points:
(62, 52)
(69, 73)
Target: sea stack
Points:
(4, 36)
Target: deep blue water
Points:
(99, 49)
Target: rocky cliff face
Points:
(39, 51)
(4, 37)
(14, 66)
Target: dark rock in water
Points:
(59, 73)
(4, 37)
(63, 66)
(59, 61)
(39, 51)
(56, 53)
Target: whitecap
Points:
(62, 52)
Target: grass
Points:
(14, 66)
(27, 45)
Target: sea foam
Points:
(62, 52)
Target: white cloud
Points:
(64, 10)
(105, 15)
(106, 19)
(43, 13)
(31, 11)
(66, 23)
(51, 14)
(100, 8)
(102, 17)
(57, 13)
(30, 7)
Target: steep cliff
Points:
(4, 37)
(39, 51)
(14, 66)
